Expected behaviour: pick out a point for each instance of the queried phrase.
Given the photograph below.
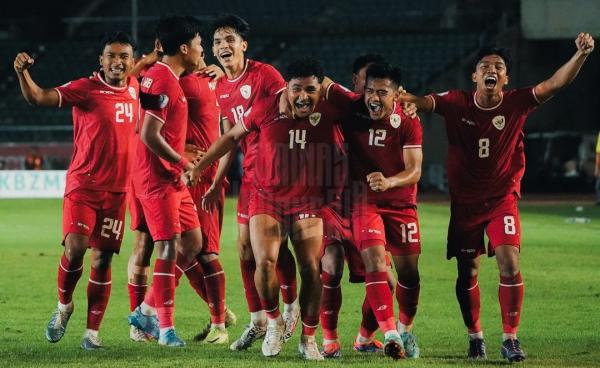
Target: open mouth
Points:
(116, 70)
(303, 106)
(375, 107)
(226, 55)
(490, 81)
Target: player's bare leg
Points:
(98, 294)
(332, 268)
(266, 235)
(69, 272)
(468, 295)
(137, 275)
(307, 237)
(379, 296)
(407, 296)
(510, 294)
(286, 275)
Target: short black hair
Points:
(306, 66)
(118, 37)
(364, 60)
(384, 71)
(503, 52)
(235, 22)
(174, 31)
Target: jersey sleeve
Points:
(273, 82)
(445, 102)
(190, 87)
(161, 97)
(340, 96)
(413, 133)
(73, 93)
(526, 99)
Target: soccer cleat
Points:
(230, 318)
(169, 338)
(273, 341)
(477, 349)
(91, 342)
(148, 324)
(374, 346)
(203, 333)
(249, 336)
(137, 335)
(393, 348)
(308, 349)
(332, 350)
(57, 325)
(291, 320)
(511, 350)
(217, 336)
(411, 348)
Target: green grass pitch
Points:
(560, 323)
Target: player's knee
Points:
(101, 260)
(409, 277)
(266, 265)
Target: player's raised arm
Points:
(566, 73)
(34, 94)
(413, 157)
(152, 138)
(223, 145)
(423, 103)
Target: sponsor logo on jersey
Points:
(163, 100)
(467, 121)
(382, 307)
(103, 92)
(212, 85)
(314, 118)
(499, 122)
(146, 82)
(246, 91)
(132, 92)
(395, 120)
(224, 96)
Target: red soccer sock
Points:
(310, 325)
(408, 300)
(271, 307)
(98, 293)
(380, 298)
(68, 275)
(330, 305)
(214, 280)
(163, 285)
(149, 297)
(468, 295)
(137, 290)
(286, 274)
(510, 293)
(195, 276)
(248, 268)
(368, 325)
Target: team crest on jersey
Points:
(395, 120)
(314, 118)
(163, 100)
(132, 92)
(245, 90)
(499, 122)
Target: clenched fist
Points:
(23, 62)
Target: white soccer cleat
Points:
(137, 335)
(291, 320)
(249, 336)
(91, 342)
(308, 349)
(273, 341)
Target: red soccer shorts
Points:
(136, 213)
(395, 227)
(498, 217)
(284, 213)
(243, 210)
(171, 214)
(98, 215)
(210, 222)
(338, 230)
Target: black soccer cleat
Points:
(477, 349)
(511, 350)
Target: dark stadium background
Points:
(433, 42)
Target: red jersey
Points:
(236, 97)
(378, 146)
(295, 157)
(154, 176)
(485, 145)
(104, 117)
(203, 127)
